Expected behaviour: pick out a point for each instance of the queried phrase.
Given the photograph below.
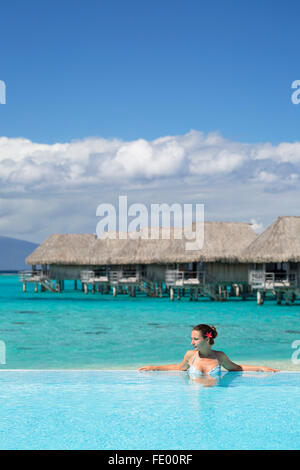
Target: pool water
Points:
(148, 410)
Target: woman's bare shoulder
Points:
(219, 354)
(189, 353)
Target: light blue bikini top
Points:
(194, 372)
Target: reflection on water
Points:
(234, 379)
(223, 380)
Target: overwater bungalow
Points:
(215, 270)
(274, 260)
(154, 266)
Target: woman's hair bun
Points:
(214, 331)
(207, 330)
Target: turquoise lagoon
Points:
(72, 330)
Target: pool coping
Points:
(128, 370)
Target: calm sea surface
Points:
(73, 330)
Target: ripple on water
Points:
(95, 332)
(26, 311)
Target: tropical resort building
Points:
(233, 261)
(153, 266)
(274, 261)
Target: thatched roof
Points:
(223, 241)
(278, 243)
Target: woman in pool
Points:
(203, 361)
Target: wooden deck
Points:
(175, 284)
(284, 286)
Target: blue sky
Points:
(92, 87)
(132, 69)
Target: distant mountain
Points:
(13, 253)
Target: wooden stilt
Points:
(244, 292)
(114, 291)
(171, 293)
(287, 298)
(24, 286)
(279, 297)
(75, 284)
(160, 290)
(260, 298)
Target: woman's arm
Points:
(231, 366)
(181, 366)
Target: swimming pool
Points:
(147, 410)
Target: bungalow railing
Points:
(113, 276)
(263, 280)
(126, 276)
(93, 276)
(256, 278)
(33, 276)
(181, 278)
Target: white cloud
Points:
(56, 188)
(283, 152)
(257, 226)
(265, 177)
(30, 166)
